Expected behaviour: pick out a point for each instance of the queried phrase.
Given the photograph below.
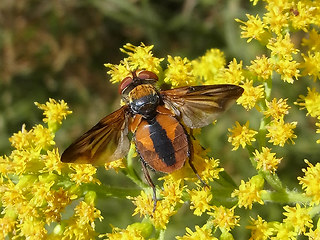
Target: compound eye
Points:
(147, 75)
(124, 84)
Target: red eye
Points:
(147, 75)
(124, 84)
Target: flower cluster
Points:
(43, 198)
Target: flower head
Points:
(241, 135)
(276, 109)
(260, 229)
(311, 181)
(251, 95)
(249, 192)
(280, 132)
(224, 218)
(203, 232)
(253, 28)
(54, 112)
(266, 160)
(298, 217)
(199, 200)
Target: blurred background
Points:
(56, 49)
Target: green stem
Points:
(285, 197)
(108, 191)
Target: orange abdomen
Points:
(162, 143)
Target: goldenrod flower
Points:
(304, 15)
(241, 135)
(224, 218)
(136, 231)
(262, 67)
(200, 200)
(209, 66)
(118, 72)
(172, 190)
(312, 42)
(209, 169)
(266, 160)
(179, 72)
(311, 102)
(276, 17)
(54, 112)
(115, 165)
(280, 132)
(260, 229)
(32, 229)
(52, 162)
(144, 206)
(249, 192)
(253, 28)
(200, 233)
(311, 181)
(298, 217)
(251, 95)
(311, 65)
(233, 74)
(83, 173)
(277, 109)
(288, 70)
(141, 57)
(282, 47)
(283, 231)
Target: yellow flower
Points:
(141, 57)
(260, 229)
(318, 130)
(83, 173)
(32, 229)
(209, 66)
(86, 214)
(52, 162)
(234, 73)
(284, 231)
(54, 112)
(313, 41)
(311, 65)
(115, 165)
(311, 181)
(179, 72)
(200, 233)
(22, 139)
(224, 218)
(249, 192)
(288, 70)
(266, 160)
(209, 169)
(57, 200)
(200, 200)
(303, 15)
(251, 95)
(276, 17)
(298, 217)
(280, 132)
(172, 190)
(144, 204)
(262, 67)
(118, 72)
(311, 102)
(241, 135)
(7, 225)
(136, 231)
(276, 109)
(253, 28)
(282, 47)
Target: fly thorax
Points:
(144, 100)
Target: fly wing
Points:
(199, 106)
(105, 142)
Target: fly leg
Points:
(151, 184)
(191, 159)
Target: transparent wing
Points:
(199, 106)
(105, 142)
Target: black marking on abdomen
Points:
(162, 144)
